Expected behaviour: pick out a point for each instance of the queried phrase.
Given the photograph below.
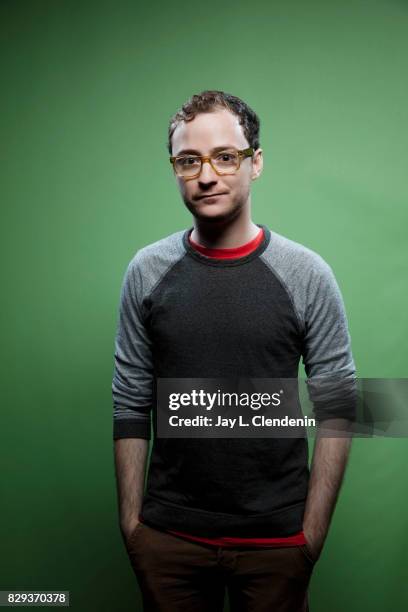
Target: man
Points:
(227, 298)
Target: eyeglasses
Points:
(222, 162)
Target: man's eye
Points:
(225, 156)
(188, 161)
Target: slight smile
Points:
(211, 196)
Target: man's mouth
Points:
(211, 196)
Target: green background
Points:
(87, 93)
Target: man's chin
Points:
(212, 213)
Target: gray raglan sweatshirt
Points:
(185, 315)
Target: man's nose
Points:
(207, 173)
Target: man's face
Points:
(200, 136)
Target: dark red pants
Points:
(175, 575)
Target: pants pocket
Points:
(139, 527)
(304, 548)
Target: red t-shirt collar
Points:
(230, 253)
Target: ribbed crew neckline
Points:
(229, 261)
(229, 252)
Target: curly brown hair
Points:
(210, 100)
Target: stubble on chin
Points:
(226, 215)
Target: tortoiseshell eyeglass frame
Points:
(206, 158)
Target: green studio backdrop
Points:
(87, 92)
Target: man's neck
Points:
(224, 235)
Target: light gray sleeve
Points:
(320, 312)
(133, 369)
(327, 355)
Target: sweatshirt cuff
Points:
(324, 410)
(129, 428)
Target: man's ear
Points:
(257, 164)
